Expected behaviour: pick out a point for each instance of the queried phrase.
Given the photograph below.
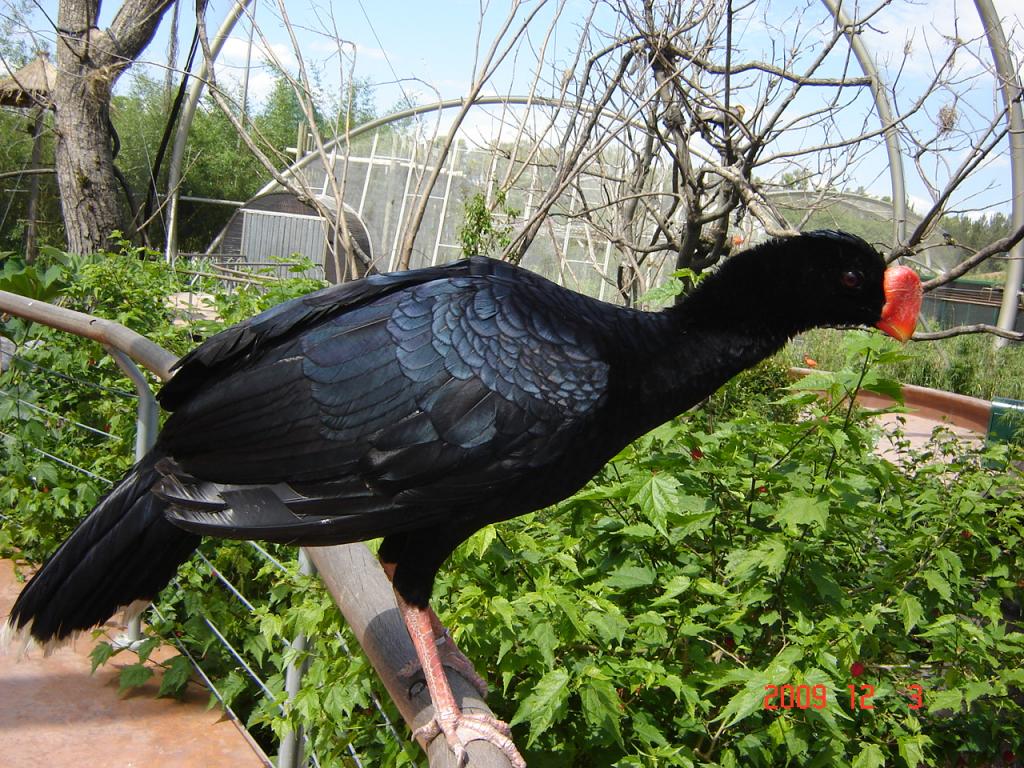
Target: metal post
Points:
(885, 114)
(185, 123)
(293, 743)
(1009, 84)
(145, 435)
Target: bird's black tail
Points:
(122, 552)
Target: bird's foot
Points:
(453, 658)
(460, 728)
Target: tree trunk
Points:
(89, 61)
(31, 228)
(89, 196)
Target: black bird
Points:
(420, 406)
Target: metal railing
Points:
(352, 575)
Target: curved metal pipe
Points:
(885, 114)
(436, 106)
(1010, 86)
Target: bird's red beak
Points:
(903, 296)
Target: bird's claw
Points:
(460, 728)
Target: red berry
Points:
(1008, 756)
(856, 669)
(762, 489)
(696, 453)
(729, 644)
(966, 534)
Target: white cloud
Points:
(916, 38)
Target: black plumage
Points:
(423, 405)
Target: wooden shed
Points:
(279, 224)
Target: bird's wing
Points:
(405, 406)
(235, 347)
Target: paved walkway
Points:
(965, 418)
(54, 713)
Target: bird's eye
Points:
(852, 278)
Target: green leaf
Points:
(101, 654)
(645, 729)
(911, 748)
(630, 577)
(688, 524)
(610, 624)
(796, 510)
(883, 385)
(133, 676)
(975, 689)
(939, 700)
(602, 491)
(543, 636)
(543, 703)
(601, 706)
(910, 611)
(146, 647)
(483, 539)
(676, 586)
(176, 676)
(818, 381)
(710, 588)
(656, 497)
(935, 580)
(826, 586)
(748, 700)
(870, 756)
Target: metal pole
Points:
(1010, 86)
(145, 435)
(293, 743)
(245, 75)
(188, 111)
(885, 114)
(107, 332)
(31, 246)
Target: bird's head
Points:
(850, 285)
(827, 278)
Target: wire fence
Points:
(36, 430)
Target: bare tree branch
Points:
(1002, 245)
(962, 330)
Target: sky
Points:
(426, 51)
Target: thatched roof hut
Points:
(30, 85)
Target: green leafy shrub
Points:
(64, 403)
(487, 229)
(967, 365)
(639, 622)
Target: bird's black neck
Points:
(680, 356)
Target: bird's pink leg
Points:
(451, 656)
(458, 727)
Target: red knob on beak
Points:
(903, 296)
